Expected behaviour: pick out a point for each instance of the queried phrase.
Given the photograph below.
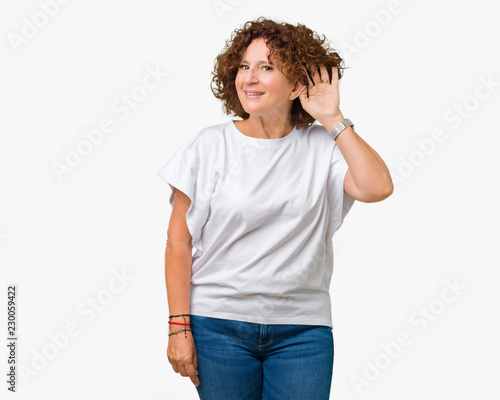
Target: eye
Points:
(266, 66)
(242, 66)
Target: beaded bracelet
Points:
(180, 330)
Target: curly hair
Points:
(293, 46)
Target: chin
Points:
(251, 111)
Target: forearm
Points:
(369, 172)
(178, 261)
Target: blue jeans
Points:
(249, 361)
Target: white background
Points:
(62, 240)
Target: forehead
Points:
(256, 49)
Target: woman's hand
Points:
(323, 101)
(181, 353)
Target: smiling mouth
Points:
(254, 93)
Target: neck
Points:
(266, 127)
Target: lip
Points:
(253, 96)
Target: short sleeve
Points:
(338, 201)
(186, 171)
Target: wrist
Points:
(179, 318)
(180, 322)
(332, 121)
(181, 330)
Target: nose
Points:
(250, 76)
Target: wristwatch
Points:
(340, 127)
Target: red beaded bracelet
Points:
(179, 323)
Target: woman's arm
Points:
(181, 351)
(368, 179)
(178, 257)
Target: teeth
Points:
(254, 94)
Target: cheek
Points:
(278, 86)
(238, 81)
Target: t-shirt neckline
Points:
(260, 141)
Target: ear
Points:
(298, 88)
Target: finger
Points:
(195, 380)
(183, 371)
(175, 368)
(195, 362)
(308, 78)
(324, 74)
(309, 83)
(335, 75)
(315, 74)
(193, 374)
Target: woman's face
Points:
(261, 87)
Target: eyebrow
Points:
(258, 62)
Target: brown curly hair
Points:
(293, 46)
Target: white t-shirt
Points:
(262, 216)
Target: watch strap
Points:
(346, 123)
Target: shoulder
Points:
(210, 136)
(205, 139)
(205, 144)
(214, 130)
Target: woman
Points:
(260, 199)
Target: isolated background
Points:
(62, 242)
